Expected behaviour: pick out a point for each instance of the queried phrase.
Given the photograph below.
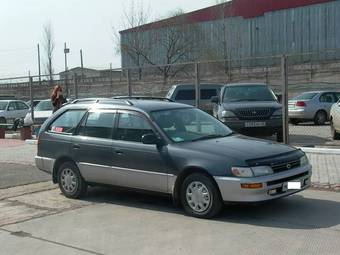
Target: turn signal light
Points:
(300, 104)
(251, 185)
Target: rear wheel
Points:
(335, 134)
(200, 197)
(3, 120)
(71, 183)
(320, 118)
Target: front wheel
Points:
(71, 183)
(200, 197)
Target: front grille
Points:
(254, 113)
(287, 179)
(280, 167)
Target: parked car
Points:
(312, 106)
(169, 148)
(11, 110)
(185, 93)
(335, 121)
(42, 112)
(250, 109)
(35, 102)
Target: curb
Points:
(31, 141)
(321, 150)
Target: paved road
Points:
(115, 222)
(19, 174)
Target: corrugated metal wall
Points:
(293, 31)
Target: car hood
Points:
(239, 147)
(241, 105)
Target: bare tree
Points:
(48, 44)
(133, 45)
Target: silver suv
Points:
(12, 109)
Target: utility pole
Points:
(82, 65)
(39, 67)
(66, 51)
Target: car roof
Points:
(320, 91)
(245, 84)
(143, 105)
(201, 85)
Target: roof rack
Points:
(99, 100)
(143, 98)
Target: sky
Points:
(82, 24)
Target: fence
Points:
(288, 76)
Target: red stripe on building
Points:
(236, 8)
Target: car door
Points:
(135, 164)
(22, 109)
(92, 146)
(12, 112)
(327, 100)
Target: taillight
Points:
(300, 104)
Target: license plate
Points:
(255, 124)
(293, 185)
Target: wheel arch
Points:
(185, 173)
(61, 160)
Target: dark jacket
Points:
(58, 102)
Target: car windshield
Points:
(44, 106)
(189, 124)
(305, 96)
(3, 105)
(246, 93)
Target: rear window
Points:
(67, 122)
(189, 94)
(3, 105)
(305, 96)
(208, 93)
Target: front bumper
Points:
(231, 191)
(271, 126)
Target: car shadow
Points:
(294, 212)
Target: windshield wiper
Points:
(206, 137)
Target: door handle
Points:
(76, 146)
(118, 152)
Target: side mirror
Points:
(215, 99)
(151, 139)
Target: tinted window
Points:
(208, 93)
(327, 98)
(131, 127)
(21, 106)
(337, 96)
(13, 106)
(67, 122)
(98, 124)
(44, 106)
(187, 94)
(248, 93)
(3, 105)
(305, 96)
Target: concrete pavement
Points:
(115, 222)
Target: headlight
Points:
(304, 161)
(227, 114)
(251, 171)
(262, 170)
(242, 171)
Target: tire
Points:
(70, 181)
(334, 133)
(294, 122)
(3, 120)
(320, 118)
(200, 197)
(279, 136)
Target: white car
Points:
(335, 121)
(12, 109)
(42, 112)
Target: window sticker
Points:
(57, 129)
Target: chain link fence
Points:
(288, 76)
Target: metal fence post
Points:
(31, 97)
(75, 83)
(128, 79)
(285, 120)
(197, 85)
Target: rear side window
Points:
(21, 106)
(67, 122)
(208, 93)
(187, 94)
(327, 98)
(337, 96)
(98, 125)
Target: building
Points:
(236, 30)
(87, 72)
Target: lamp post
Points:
(66, 51)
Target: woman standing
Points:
(57, 98)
